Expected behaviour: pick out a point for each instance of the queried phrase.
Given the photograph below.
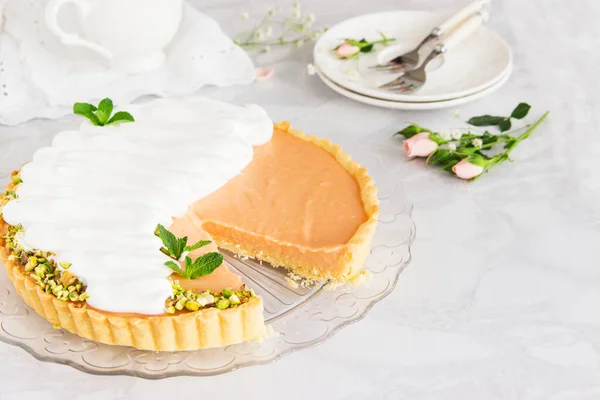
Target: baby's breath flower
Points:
(266, 49)
(445, 135)
(456, 134)
(310, 17)
(245, 15)
(477, 142)
(311, 69)
(456, 113)
(268, 31)
(296, 4)
(297, 13)
(299, 43)
(258, 35)
(271, 12)
(451, 146)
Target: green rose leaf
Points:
(411, 131)
(485, 120)
(505, 125)
(521, 111)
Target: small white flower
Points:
(268, 31)
(310, 17)
(266, 49)
(299, 43)
(296, 4)
(456, 134)
(451, 146)
(445, 135)
(477, 142)
(258, 35)
(456, 113)
(271, 12)
(245, 15)
(311, 69)
(315, 35)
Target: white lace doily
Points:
(40, 77)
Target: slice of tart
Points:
(78, 222)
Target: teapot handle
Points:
(72, 39)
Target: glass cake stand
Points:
(298, 317)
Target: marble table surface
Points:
(501, 298)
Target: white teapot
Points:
(130, 34)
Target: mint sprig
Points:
(174, 247)
(503, 123)
(101, 115)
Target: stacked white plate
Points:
(476, 67)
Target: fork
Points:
(411, 59)
(413, 80)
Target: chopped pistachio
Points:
(234, 299)
(171, 310)
(222, 304)
(65, 264)
(226, 293)
(191, 305)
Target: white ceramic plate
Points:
(398, 105)
(472, 66)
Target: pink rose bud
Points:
(419, 145)
(466, 170)
(346, 50)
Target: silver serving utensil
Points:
(411, 59)
(413, 80)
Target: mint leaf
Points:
(411, 131)
(87, 110)
(204, 265)
(197, 245)
(100, 115)
(169, 240)
(520, 111)
(175, 267)
(485, 120)
(105, 108)
(505, 125)
(83, 108)
(120, 116)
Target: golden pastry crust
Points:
(354, 252)
(208, 327)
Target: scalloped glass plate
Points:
(299, 317)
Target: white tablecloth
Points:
(501, 298)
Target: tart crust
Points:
(209, 327)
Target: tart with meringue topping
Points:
(113, 232)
